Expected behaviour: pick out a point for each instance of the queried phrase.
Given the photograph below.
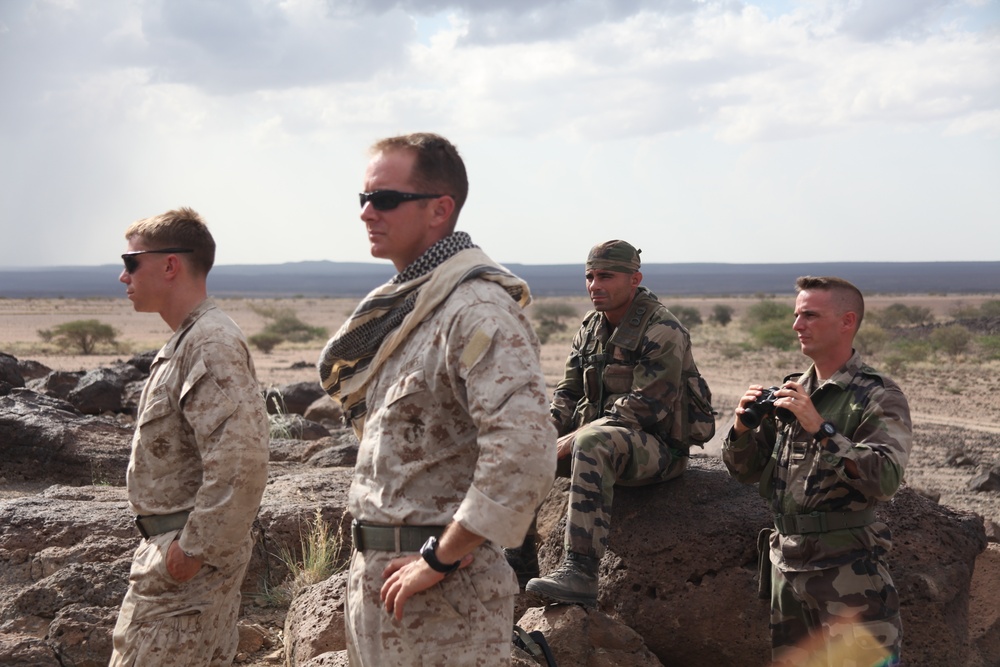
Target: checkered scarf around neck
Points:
(389, 313)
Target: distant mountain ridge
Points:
(355, 279)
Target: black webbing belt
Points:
(822, 522)
(156, 524)
(399, 539)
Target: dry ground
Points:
(955, 402)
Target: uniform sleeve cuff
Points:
(483, 516)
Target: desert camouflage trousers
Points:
(163, 623)
(464, 621)
(604, 455)
(845, 616)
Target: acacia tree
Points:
(84, 335)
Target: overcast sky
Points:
(743, 131)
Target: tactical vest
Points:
(608, 370)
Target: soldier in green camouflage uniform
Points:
(841, 448)
(613, 411)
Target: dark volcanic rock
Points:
(42, 438)
(681, 564)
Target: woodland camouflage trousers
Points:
(844, 616)
(605, 454)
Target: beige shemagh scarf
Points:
(384, 318)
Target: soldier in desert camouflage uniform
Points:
(838, 450)
(613, 410)
(439, 373)
(199, 458)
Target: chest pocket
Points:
(157, 406)
(412, 383)
(618, 378)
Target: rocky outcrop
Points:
(43, 438)
(681, 565)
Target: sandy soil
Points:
(955, 402)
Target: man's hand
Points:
(564, 446)
(407, 576)
(753, 391)
(793, 398)
(179, 566)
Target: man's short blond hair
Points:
(179, 228)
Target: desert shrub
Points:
(770, 324)
(265, 341)
(911, 350)
(320, 548)
(722, 314)
(871, 339)
(284, 325)
(550, 317)
(990, 308)
(990, 346)
(953, 339)
(774, 333)
(894, 364)
(82, 335)
(688, 315)
(766, 311)
(899, 314)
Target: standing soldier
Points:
(199, 458)
(619, 413)
(825, 447)
(439, 373)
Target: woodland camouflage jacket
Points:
(873, 430)
(631, 375)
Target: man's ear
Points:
(174, 267)
(636, 278)
(849, 321)
(443, 207)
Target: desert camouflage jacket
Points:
(631, 375)
(201, 437)
(457, 425)
(873, 430)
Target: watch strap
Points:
(429, 553)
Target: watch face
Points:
(827, 430)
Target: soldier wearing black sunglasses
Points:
(438, 371)
(199, 457)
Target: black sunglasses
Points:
(386, 200)
(131, 259)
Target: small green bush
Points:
(688, 315)
(953, 339)
(899, 314)
(265, 341)
(83, 335)
(722, 314)
(990, 346)
(871, 339)
(767, 311)
(550, 317)
(775, 333)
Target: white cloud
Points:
(729, 112)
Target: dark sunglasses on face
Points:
(131, 259)
(386, 200)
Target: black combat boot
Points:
(575, 582)
(524, 559)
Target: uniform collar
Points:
(168, 349)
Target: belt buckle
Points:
(356, 535)
(142, 529)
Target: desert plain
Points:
(954, 399)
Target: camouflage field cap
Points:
(614, 256)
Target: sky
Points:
(736, 131)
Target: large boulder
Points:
(315, 621)
(681, 565)
(294, 398)
(42, 438)
(10, 371)
(101, 389)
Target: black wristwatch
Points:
(429, 553)
(826, 430)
